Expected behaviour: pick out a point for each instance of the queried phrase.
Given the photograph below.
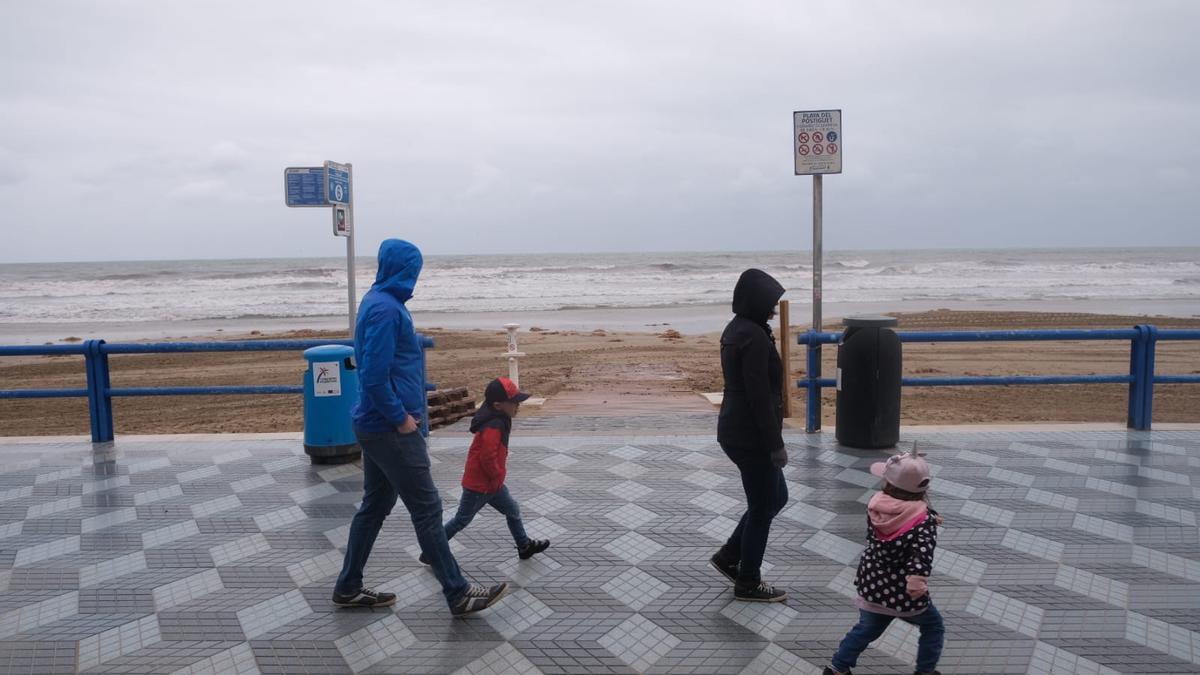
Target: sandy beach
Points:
(623, 372)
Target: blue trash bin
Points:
(330, 391)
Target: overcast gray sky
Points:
(153, 129)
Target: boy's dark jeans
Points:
(471, 503)
(766, 495)
(395, 463)
(871, 625)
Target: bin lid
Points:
(328, 352)
(870, 321)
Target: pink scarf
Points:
(892, 517)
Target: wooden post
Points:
(785, 354)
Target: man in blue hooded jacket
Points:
(395, 460)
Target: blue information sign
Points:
(337, 183)
(305, 186)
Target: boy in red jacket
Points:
(483, 478)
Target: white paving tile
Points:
(237, 660)
(630, 491)
(1034, 545)
(775, 660)
(242, 547)
(215, 506)
(517, 613)
(116, 642)
(503, 660)
(834, 547)
(1050, 660)
(106, 520)
(90, 575)
(635, 588)
(157, 495)
(252, 483)
(767, 619)
(170, 533)
(316, 569)
(279, 611)
(1161, 636)
(51, 549)
(280, 518)
(633, 547)
(1006, 611)
(546, 503)
(313, 493)
(631, 516)
(1103, 528)
(639, 642)
(368, 646)
(31, 616)
(554, 480)
(808, 515)
(187, 589)
(719, 528)
(714, 502)
(1092, 585)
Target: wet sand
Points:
(625, 373)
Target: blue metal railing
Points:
(1140, 378)
(100, 392)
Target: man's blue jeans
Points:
(501, 500)
(871, 625)
(398, 464)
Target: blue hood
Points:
(399, 266)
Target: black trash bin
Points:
(868, 383)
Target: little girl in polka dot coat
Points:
(893, 573)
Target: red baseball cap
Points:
(503, 389)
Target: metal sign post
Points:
(329, 185)
(817, 149)
(339, 193)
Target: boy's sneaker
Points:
(730, 570)
(830, 671)
(478, 598)
(364, 598)
(534, 547)
(927, 672)
(760, 592)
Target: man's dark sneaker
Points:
(423, 559)
(760, 592)
(729, 569)
(364, 598)
(478, 598)
(534, 547)
(927, 672)
(830, 671)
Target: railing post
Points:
(426, 343)
(1148, 389)
(813, 405)
(98, 383)
(1137, 366)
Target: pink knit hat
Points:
(907, 471)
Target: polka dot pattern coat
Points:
(886, 565)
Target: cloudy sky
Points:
(159, 130)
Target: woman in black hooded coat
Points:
(750, 431)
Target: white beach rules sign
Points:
(817, 141)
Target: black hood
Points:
(756, 295)
(486, 414)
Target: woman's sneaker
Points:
(728, 569)
(364, 598)
(760, 592)
(478, 598)
(534, 547)
(830, 671)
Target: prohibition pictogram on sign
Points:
(803, 150)
(831, 148)
(803, 137)
(818, 137)
(818, 149)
